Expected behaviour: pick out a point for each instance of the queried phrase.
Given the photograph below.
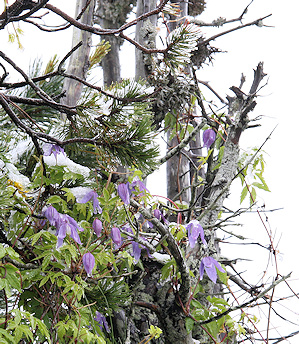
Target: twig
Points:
(212, 38)
(245, 304)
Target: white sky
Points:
(277, 47)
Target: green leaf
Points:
(5, 334)
(2, 251)
(252, 196)
(261, 186)
(107, 195)
(69, 195)
(106, 216)
(244, 193)
(189, 324)
(54, 199)
(44, 280)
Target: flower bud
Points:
(88, 262)
(208, 137)
(97, 226)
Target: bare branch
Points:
(247, 303)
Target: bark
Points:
(111, 14)
(110, 63)
(178, 168)
(146, 36)
(79, 60)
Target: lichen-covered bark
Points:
(146, 36)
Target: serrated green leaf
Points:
(54, 199)
(69, 195)
(44, 280)
(106, 195)
(105, 215)
(5, 334)
(34, 238)
(252, 195)
(2, 251)
(243, 194)
(12, 277)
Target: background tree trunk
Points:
(110, 63)
(146, 36)
(79, 60)
(178, 167)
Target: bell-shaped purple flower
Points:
(157, 214)
(138, 186)
(100, 318)
(92, 196)
(194, 230)
(97, 226)
(64, 224)
(52, 149)
(116, 237)
(208, 137)
(136, 251)
(88, 263)
(52, 215)
(124, 193)
(67, 225)
(209, 264)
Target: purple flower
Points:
(194, 230)
(116, 237)
(210, 264)
(138, 184)
(97, 226)
(100, 318)
(64, 224)
(52, 149)
(124, 193)
(136, 251)
(157, 214)
(67, 225)
(88, 262)
(92, 195)
(208, 137)
(52, 215)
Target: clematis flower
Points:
(64, 224)
(137, 183)
(52, 215)
(194, 230)
(97, 226)
(157, 214)
(124, 193)
(209, 264)
(52, 149)
(136, 253)
(67, 225)
(116, 237)
(101, 319)
(92, 195)
(208, 137)
(88, 262)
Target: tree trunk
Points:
(178, 167)
(146, 36)
(79, 60)
(110, 63)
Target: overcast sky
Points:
(277, 104)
